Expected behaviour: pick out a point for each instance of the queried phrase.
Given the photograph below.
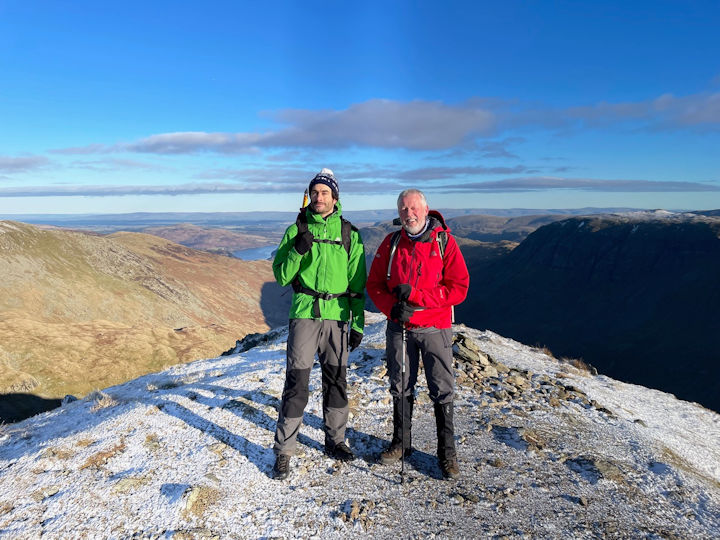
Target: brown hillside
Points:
(80, 312)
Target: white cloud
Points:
(428, 126)
(194, 141)
(584, 184)
(262, 183)
(378, 123)
(10, 165)
(383, 123)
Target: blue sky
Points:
(234, 106)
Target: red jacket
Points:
(437, 283)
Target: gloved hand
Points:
(303, 242)
(355, 339)
(402, 291)
(402, 312)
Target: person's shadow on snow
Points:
(244, 404)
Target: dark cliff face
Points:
(637, 297)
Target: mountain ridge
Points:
(546, 449)
(635, 295)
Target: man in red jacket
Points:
(417, 276)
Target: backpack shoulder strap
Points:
(394, 241)
(442, 239)
(346, 232)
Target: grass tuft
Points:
(99, 459)
(580, 364)
(101, 401)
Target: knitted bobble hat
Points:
(326, 176)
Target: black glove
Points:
(402, 291)
(402, 312)
(355, 339)
(303, 242)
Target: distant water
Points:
(255, 254)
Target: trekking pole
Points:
(402, 407)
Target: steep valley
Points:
(80, 312)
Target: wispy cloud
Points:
(191, 142)
(79, 150)
(377, 123)
(584, 184)
(699, 112)
(384, 123)
(372, 173)
(258, 175)
(22, 164)
(112, 191)
(427, 126)
(114, 164)
(444, 173)
(258, 185)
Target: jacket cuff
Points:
(415, 296)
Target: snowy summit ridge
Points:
(546, 449)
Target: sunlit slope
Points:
(81, 311)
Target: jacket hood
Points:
(436, 222)
(434, 215)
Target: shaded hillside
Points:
(635, 295)
(80, 312)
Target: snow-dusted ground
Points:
(546, 450)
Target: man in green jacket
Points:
(322, 256)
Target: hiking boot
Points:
(340, 451)
(449, 467)
(281, 470)
(394, 453)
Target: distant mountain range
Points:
(141, 220)
(636, 295)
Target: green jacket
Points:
(326, 268)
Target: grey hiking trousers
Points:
(434, 345)
(329, 339)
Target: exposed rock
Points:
(44, 493)
(199, 499)
(129, 483)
